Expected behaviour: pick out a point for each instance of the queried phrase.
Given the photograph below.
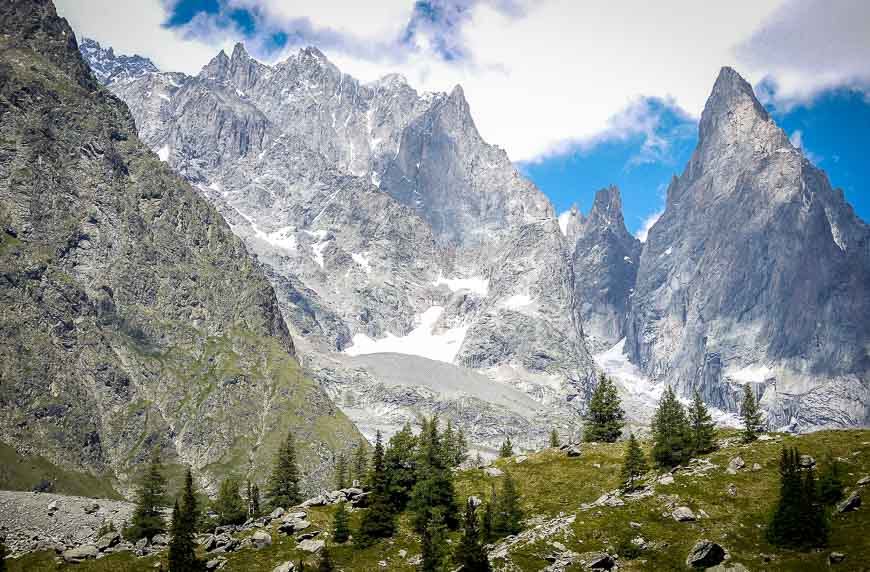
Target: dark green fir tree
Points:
(182, 546)
(508, 518)
(436, 554)
(702, 430)
(379, 520)
(554, 438)
(750, 414)
(634, 464)
(400, 461)
(283, 487)
(229, 505)
(671, 432)
(147, 520)
(507, 448)
(341, 472)
(605, 417)
(434, 487)
(341, 524)
(470, 554)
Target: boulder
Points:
(852, 502)
(316, 501)
(312, 546)
(307, 535)
(261, 539)
(352, 492)
(285, 567)
(574, 451)
(736, 464)
(160, 540)
(864, 481)
(836, 557)
(666, 479)
(597, 561)
(732, 490)
(301, 515)
(705, 554)
(294, 526)
(140, 544)
(52, 507)
(475, 501)
(215, 564)
(756, 467)
(634, 524)
(361, 500)
(807, 462)
(91, 508)
(493, 472)
(80, 553)
(520, 459)
(683, 514)
(108, 540)
(277, 513)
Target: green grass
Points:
(552, 484)
(18, 473)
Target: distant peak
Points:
(607, 207)
(729, 93)
(313, 52)
(239, 51)
(457, 93)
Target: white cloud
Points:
(796, 138)
(648, 223)
(137, 28)
(811, 45)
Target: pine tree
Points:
(147, 518)
(182, 548)
(229, 505)
(670, 430)
(554, 438)
(434, 487)
(831, 482)
(507, 448)
(605, 418)
(436, 557)
(325, 561)
(799, 519)
(360, 463)
(508, 515)
(701, 426)
(470, 553)
(400, 465)
(448, 440)
(379, 521)
(635, 463)
(253, 500)
(750, 414)
(460, 449)
(341, 524)
(487, 522)
(341, 472)
(284, 483)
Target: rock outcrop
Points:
(132, 316)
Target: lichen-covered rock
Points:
(683, 514)
(852, 502)
(80, 553)
(705, 554)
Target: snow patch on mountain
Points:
(421, 341)
(476, 284)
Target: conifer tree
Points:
(750, 414)
(379, 521)
(470, 553)
(283, 488)
(341, 472)
(253, 500)
(507, 448)
(460, 448)
(400, 465)
(341, 524)
(229, 505)
(635, 463)
(360, 463)
(554, 438)
(325, 561)
(448, 442)
(670, 431)
(831, 482)
(147, 518)
(487, 522)
(182, 548)
(701, 426)
(436, 556)
(508, 516)
(605, 417)
(434, 487)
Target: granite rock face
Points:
(757, 272)
(132, 316)
(380, 213)
(606, 257)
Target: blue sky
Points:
(580, 95)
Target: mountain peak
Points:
(730, 93)
(607, 208)
(239, 52)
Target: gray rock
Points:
(493, 472)
(277, 513)
(215, 563)
(732, 490)
(261, 539)
(475, 500)
(634, 524)
(312, 546)
(80, 553)
(519, 459)
(683, 514)
(574, 451)
(666, 480)
(705, 554)
(597, 561)
(736, 464)
(108, 540)
(141, 544)
(851, 503)
(756, 467)
(160, 540)
(807, 462)
(836, 557)
(285, 567)
(863, 481)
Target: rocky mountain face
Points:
(132, 316)
(388, 225)
(606, 257)
(109, 68)
(757, 272)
